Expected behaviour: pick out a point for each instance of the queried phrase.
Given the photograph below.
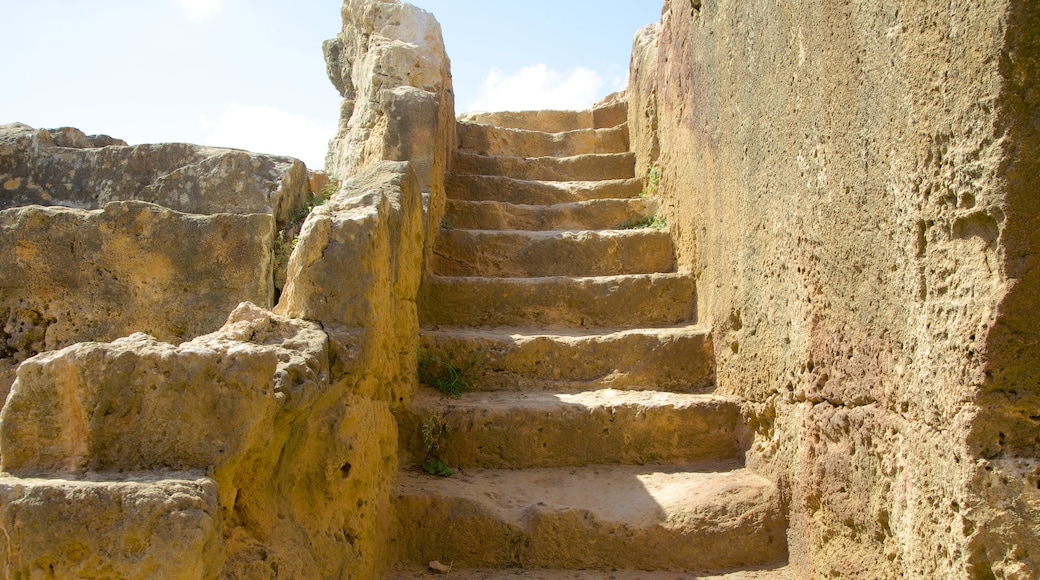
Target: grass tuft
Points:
(444, 375)
(655, 221)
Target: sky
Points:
(250, 74)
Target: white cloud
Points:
(538, 87)
(270, 130)
(201, 9)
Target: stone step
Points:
(779, 571)
(520, 430)
(636, 300)
(770, 572)
(520, 191)
(592, 167)
(678, 359)
(112, 525)
(703, 518)
(596, 214)
(492, 140)
(606, 115)
(519, 254)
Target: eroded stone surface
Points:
(357, 269)
(848, 183)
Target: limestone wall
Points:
(854, 185)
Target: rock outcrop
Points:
(64, 167)
(106, 239)
(849, 183)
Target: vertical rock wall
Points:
(854, 185)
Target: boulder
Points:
(390, 66)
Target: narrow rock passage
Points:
(591, 439)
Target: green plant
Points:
(327, 191)
(283, 248)
(653, 181)
(434, 431)
(445, 375)
(655, 221)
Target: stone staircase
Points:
(592, 439)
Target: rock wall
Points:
(854, 185)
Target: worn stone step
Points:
(549, 121)
(112, 525)
(403, 571)
(518, 430)
(636, 300)
(678, 359)
(591, 167)
(492, 140)
(518, 254)
(596, 214)
(520, 191)
(706, 519)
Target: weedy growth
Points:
(653, 181)
(445, 375)
(655, 221)
(434, 432)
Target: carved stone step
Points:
(559, 302)
(593, 167)
(113, 525)
(518, 254)
(778, 571)
(519, 430)
(605, 115)
(492, 140)
(498, 188)
(678, 359)
(706, 518)
(597, 214)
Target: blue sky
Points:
(250, 74)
